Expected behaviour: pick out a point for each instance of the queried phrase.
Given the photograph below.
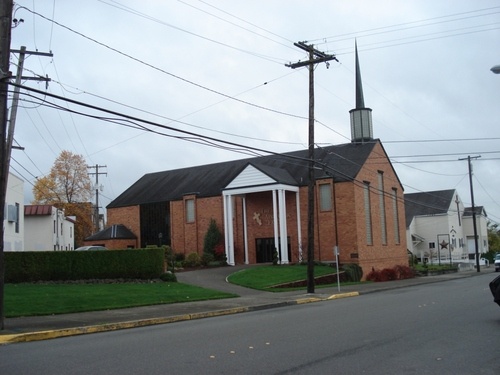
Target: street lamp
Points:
(496, 69)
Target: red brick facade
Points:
(343, 225)
(128, 216)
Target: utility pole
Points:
(315, 57)
(15, 98)
(5, 36)
(97, 173)
(473, 209)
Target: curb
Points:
(58, 333)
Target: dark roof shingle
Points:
(343, 164)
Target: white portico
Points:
(257, 179)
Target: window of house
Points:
(189, 210)
(368, 214)
(17, 218)
(325, 197)
(381, 200)
(395, 214)
(432, 245)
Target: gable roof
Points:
(343, 164)
(117, 231)
(427, 203)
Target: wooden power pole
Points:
(315, 57)
(7, 126)
(5, 36)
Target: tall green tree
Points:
(68, 187)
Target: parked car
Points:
(495, 289)
(90, 248)
(497, 262)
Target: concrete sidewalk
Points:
(47, 327)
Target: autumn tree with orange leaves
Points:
(68, 187)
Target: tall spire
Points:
(360, 101)
(361, 117)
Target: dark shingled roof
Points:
(427, 203)
(479, 211)
(344, 162)
(114, 232)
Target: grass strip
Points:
(48, 299)
(265, 277)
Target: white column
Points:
(228, 229)
(299, 233)
(245, 231)
(283, 231)
(275, 219)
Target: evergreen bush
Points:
(192, 260)
(353, 271)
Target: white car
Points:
(497, 263)
(90, 248)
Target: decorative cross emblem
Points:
(256, 217)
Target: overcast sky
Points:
(217, 68)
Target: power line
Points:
(162, 70)
(398, 28)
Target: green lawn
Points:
(265, 277)
(48, 299)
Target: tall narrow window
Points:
(368, 214)
(381, 193)
(17, 218)
(325, 197)
(189, 210)
(395, 214)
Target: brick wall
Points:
(344, 224)
(128, 216)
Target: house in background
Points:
(114, 237)
(481, 229)
(261, 204)
(14, 218)
(439, 227)
(47, 228)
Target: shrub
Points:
(374, 276)
(388, 274)
(207, 258)
(353, 271)
(220, 252)
(212, 237)
(404, 272)
(192, 260)
(28, 266)
(168, 277)
(275, 257)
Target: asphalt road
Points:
(451, 327)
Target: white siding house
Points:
(47, 228)
(439, 228)
(481, 229)
(14, 218)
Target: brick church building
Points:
(260, 204)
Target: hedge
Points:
(30, 266)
